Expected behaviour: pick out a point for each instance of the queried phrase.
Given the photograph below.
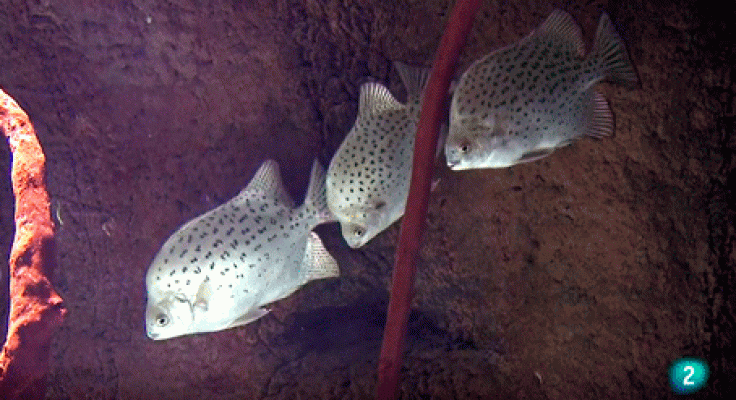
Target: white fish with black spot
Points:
(221, 269)
(368, 177)
(520, 103)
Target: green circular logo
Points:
(688, 375)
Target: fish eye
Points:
(358, 232)
(464, 148)
(162, 320)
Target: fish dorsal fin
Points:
(609, 48)
(318, 263)
(316, 197)
(248, 317)
(375, 99)
(561, 26)
(414, 79)
(267, 181)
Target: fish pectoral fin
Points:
(249, 317)
(535, 155)
(201, 301)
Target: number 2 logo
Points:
(687, 380)
(688, 375)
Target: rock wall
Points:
(582, 275)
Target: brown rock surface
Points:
(579, 276)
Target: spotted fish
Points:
(520, 103)
(368, 178)
(219, 270)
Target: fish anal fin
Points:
(601, 123)
(318, 263)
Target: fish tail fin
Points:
(318, 263)
(316, 199)
(609, 50)
(414, 79)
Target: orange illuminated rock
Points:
(36, 310)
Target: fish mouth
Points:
(456, 165)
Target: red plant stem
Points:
(412, 225)
(36, 310)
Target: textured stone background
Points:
(579, 276)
